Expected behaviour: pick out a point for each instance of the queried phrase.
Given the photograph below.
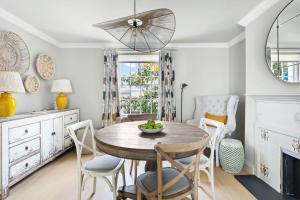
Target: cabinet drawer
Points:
(68, 142)
(69, 119)
(18, 169)
(24, 149)
(23, 132)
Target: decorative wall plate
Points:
(32, 84)
(14, 54)
(45, 66)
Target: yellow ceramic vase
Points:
(7, 105)
(61, 101)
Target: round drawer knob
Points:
(26, 148)
(71, 118)
(26, 131)
(26, 164)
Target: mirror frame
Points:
(270, 29)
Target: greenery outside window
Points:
(139, 82)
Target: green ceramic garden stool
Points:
(232, 155)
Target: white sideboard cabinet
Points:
(29, 141)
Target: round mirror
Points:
(283, 44)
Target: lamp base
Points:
(61, 101)
(7, 105)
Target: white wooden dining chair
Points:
(207, 163)
(99, 166)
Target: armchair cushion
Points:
(218, 118)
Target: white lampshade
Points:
(61, 85)
(11, 82)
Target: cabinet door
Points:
(269, 155)
(47, 139)
(59, 135)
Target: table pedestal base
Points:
(128, 191)
(151, 166)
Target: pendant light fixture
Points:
(147, 32)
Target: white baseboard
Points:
(249, 167)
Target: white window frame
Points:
(152, 85)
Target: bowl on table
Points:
(151, 127)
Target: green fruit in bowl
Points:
(151, 125)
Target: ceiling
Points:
(70, 21)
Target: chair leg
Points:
(79, 187)
(135, 170)
(138, 194)
(131, 167)
(123, 174)
(217, 155)
(94, 186)
(212, 182)
(114, 186)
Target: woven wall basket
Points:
(32, 84)
(45, 66)
(14, 54)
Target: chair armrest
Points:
(193, 122)
(228, 129)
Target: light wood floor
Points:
(57, 181)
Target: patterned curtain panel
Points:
(167, 104)
(110, 89)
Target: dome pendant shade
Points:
(146, 32)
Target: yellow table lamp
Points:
(10, 82)
(61, 86)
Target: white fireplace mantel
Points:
(277, 127)
(275, 97)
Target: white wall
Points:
(43, 99)
(84, 67)
(259, 79)
(237, 84)
(205, 71)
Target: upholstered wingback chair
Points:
(217, 105)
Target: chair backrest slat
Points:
(218, 128)
(163, 153)
(80, 144)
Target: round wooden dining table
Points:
(125, 140)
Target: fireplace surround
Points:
(277, 142)
(290, 173)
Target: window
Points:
(139, 81)
(289, 67)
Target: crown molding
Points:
(237, 39)
(38, 33)
(27, 27)
(95, 45)
(120, 45)
(198, 45)
(256, 12)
